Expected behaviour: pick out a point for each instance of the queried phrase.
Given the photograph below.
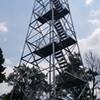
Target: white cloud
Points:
(95, 13)
(91, 42)
(9, 65)
(94, 18)
(4, 88)
(8, 70)
(95, 22)
(8, 62)
(88, 2)
(3, 27)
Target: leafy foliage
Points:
(2, 76)
(93, 72)
(68, 85)
(29, 83)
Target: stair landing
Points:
(48, 16)
(47, 50)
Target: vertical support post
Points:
(53, 49)
(50, 63)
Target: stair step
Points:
(59, 56)
(64, 66)
(63, 38)
(63, 63)
(57, 53)
(58, 30)
(57, 3)
(61, 59)
(62, 34)
(58, 25)
(59, 8)
(61, 31)
(57, 22)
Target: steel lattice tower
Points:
(51, 43)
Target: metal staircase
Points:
(60, 59)
(59, 28)
(62, 35)
(58, 5)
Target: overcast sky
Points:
(14, 20)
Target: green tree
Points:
(65, 86)
(29, 84)
(2, 68)
(93, 71)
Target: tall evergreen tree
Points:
(2, 68)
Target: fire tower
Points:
(51, 46)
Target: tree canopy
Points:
(29, 83)
(2, 68)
